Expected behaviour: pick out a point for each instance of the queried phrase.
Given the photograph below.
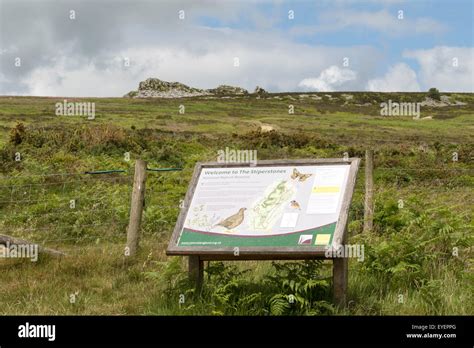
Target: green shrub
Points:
(301, 289)
(416, 244)
(17, 134)
(433, 93)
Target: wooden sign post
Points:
(274, 210)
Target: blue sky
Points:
(432, 46)
(457, 15)
(456, 18)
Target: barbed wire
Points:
(69, 182)
(91, 179)
(50, 240)
(62, 213)
(158, 172)
(94, 174)
(68, 211)
(58, 174)
(81, 238)
(427, 190)
(420, 169)
(153, 188)
(44, 228)
(59, 199)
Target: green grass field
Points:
(418, 260)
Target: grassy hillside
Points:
(410, 266)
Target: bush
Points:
(17, 134)
(294, 288)
(433, 93)
(417, 242)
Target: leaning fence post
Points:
(369, 191)
(136, 208)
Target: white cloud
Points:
(84, 57)
(329, 80)
(198, 63)
(449, 69)
(82, 80)
(399, 78)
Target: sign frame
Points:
(265, 253)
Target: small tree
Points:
(433, 93)
(17, 133)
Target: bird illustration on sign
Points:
(294, 204)
(233, 221)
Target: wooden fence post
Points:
(369, 191)
(136, 209)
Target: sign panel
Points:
(286, 205)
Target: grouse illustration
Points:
(297, 175)
(234, 220)
(295, 204)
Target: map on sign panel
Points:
(265, 206)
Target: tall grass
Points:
(417, 260)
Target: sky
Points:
(104, 48)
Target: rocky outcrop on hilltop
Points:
(444, 101)
(156, 88)
(224, 89)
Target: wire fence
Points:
(89, 206)
(74, 207)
